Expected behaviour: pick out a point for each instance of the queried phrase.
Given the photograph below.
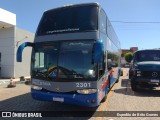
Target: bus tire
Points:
(109, 82)
(121, 72)
(117, 80)
(104, 99)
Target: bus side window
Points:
(103, 21)
(39, 60)
(109, 60)
(102, 66)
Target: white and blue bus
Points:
(75, 56)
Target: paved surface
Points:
(124, 99)
(7, 81)
(19, 99)
(119, 99)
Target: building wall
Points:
(7, 36)
(23, 68)
(125, 50)
(132, 49)
(8, 18)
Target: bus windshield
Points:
(148, 55)
(69, 19)
(70, 59)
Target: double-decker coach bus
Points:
(75, 56)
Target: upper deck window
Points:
(103, 20)
(69, 19)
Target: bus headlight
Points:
(36, 87)
(87, 91)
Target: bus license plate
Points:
(58, 99)
(155, 81)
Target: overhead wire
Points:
(156, 22)
(137, 25)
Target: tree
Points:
(128, 56)
(123, 54)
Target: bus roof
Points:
(74, 5)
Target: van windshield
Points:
(148, 55)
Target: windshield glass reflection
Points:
(71, 59)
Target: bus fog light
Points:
(87, 91)
(88, 101)
(36, 87)
(93, 101)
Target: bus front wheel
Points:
(105, 97)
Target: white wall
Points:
(23, 68)
(7, 17)
(7, 36)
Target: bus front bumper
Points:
(90, 100)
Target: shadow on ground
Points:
(56, 110)
(142, 92)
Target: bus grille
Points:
(72, 92)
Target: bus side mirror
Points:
(20, 50)
(98, 52)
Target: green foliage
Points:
(128, 56)
(123, 54)
(112, 56)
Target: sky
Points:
(136, 22)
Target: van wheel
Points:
(133, 85)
